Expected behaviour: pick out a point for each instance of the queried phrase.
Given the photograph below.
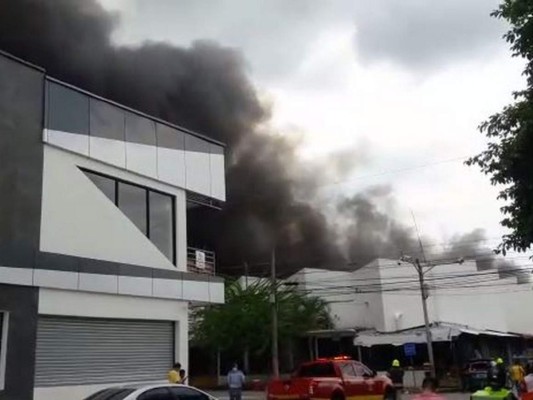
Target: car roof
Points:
(150, 385)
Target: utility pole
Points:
(425, 295)
(273, 302)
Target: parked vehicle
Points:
(475, 374)
(338, 378)
(151, 392)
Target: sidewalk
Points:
(246, 395)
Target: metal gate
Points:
(78, 351)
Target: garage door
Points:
(77, 351)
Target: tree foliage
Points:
(244, 321)
(508, 158)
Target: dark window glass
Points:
(317, 370)
(193, 143)
(111, 394)
(140, 130)
(107, 121)
(170, 138)
(157, 394)
(183, 393)
(68, 110)
(152, 212)
(161, 223)
(132, 202)
(106, 185)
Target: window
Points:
(140, 130)
(161, 393)
(152, 212)
(68, 110)
(183, 393)
(106, 120)
(361, 370)
(4, 316)
(111, 394)
(161, 226)
(132, 202)
(106, 185)
(347, 369)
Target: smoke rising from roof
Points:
(205, 87)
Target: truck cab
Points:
(338, 378)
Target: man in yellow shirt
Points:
(174, 374)
(517, 375)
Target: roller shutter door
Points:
(77, 351)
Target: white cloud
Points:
(423, 76)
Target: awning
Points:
(442, 332)
(331, 333)
(373, 338)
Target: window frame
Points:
(147, 191)
(3, 347)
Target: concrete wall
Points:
(481, 305)
(101, 130)
(21, 157)
(82, 221)
(347, 308)
(20, 302)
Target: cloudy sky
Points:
(403, 83)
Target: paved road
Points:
(221, 395)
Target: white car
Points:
(151, 392)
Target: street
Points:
(250, 395)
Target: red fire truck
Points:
(339, 378)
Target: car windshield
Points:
(317, 370)
(479, 366)
(111, 394)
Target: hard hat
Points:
(499, 361)
(395, 363)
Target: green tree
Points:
(243, 323)
(508, 158)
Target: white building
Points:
(95, 273)
(384, 297)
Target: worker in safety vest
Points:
(396, 374)
(497, 374)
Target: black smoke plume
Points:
(204, 87)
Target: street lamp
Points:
(424, 294)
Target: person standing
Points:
(396, 374)
(429, 390)
(235, 380)
(173, 375)
(497, 374)
(517, 375)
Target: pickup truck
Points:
(338, 378)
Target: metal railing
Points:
(200, 261)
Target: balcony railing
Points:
(200, 261)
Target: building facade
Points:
(378, 309)
(95, 273)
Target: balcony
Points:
(200, 261)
